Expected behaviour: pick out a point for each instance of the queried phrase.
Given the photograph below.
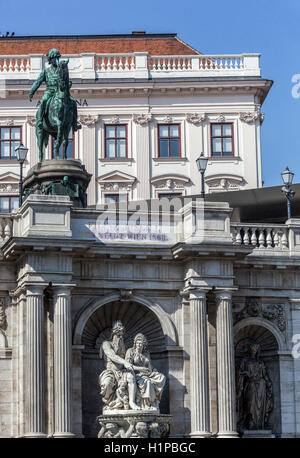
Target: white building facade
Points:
(146, 116)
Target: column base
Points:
(35, 435)
(64, 435)
(227, 435)
(200, 434)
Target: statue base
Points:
(58, 177)
(258, 433)
(134, 424)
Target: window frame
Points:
(168, 138)
(116, 194)
(73, 146)
(10, 141)
(116, 140)
(221, 137)
(9, 200)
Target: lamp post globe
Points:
(287, 178)
(202, 164)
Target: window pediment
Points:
(116, 180)
(9, 183)
(225, 182)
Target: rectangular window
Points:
(169, 195)
(10, 139)
(8, 204)
(110, 198)
(169, 140)
(115, 141)
(222, 140)
(70, 147)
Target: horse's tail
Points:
(46, 138)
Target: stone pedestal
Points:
(58, 177)
(256, 434)
(134, 424)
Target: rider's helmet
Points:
(53, 53)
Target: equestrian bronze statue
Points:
(57, 112)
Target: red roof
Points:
(154, 44)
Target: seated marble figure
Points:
(129, 382)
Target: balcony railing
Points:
(137, 65)
(261, 236)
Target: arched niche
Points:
(256, 330)
(94, 326)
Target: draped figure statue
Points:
(254, 391)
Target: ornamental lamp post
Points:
(202, 164)
(21, 153)
(287, 178)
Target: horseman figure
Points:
(57, 112)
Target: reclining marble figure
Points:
(129, 382)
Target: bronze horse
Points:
(59, 115)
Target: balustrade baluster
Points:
(269, 240)
(253, 239)
(126, 65)
(238, 236)
(246, 236)
(276, 238)
(261, 238)
(7, 229)
(10, 67)
(284, 240)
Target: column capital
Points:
(62, 290)
(295, 303)
(224, 293)
(35, 289)
(195, 292)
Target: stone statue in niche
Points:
(129, 383)
(254, 392)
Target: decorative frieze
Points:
(116, 186)
(31, 120)
(167, 119)
(252, 116)
(169, 185)
(224, 184)
(271, 312)
(11, 188)
(142, 119)
(114, 120)
(195, 118)
(88, 120)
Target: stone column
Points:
(225, 366)
(62, 363)
(200, 424)
(35, 420)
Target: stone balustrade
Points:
(261, 236)
(6, 227)
(137, 65)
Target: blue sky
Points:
(271, 27)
